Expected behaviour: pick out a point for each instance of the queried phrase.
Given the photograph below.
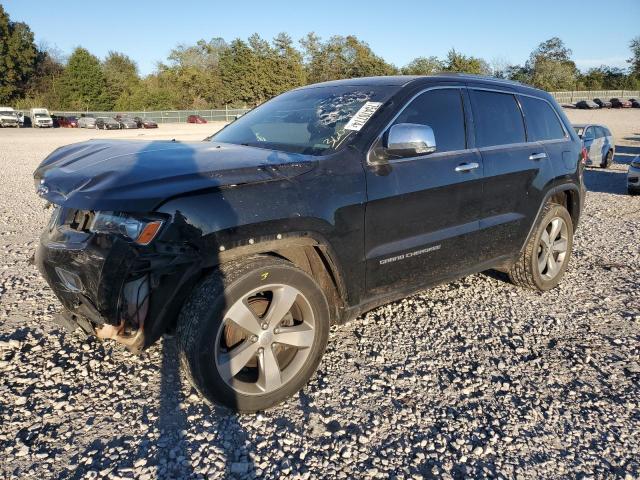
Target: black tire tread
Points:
(212, 285)
(521, 273)
(206, 295)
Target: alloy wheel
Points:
(552, 249)
(265, 339)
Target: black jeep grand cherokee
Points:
(319, 205)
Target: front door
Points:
(422, 213)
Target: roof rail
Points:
(481, 77)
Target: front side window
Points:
(542, 122)
(497, 118)
(442, 110)
(312, 121)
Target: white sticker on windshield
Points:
(362, 116)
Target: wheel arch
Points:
(306, 250)
(567, 195)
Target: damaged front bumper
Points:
(114, 288)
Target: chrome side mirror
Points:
(410, 140)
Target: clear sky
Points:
(597, 31)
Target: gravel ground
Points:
(475, 378)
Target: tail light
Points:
(584, 156)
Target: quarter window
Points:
(442, 110)
(497, 118)
(542, 122)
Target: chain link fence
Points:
(576, 96)
(166, 116)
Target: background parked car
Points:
(126, 122)
(87, 121)
(107, 123)
(634, 103)
(195, 119)
(633, 177)
(598, 142)
(602, 103)
(587, 104)
(68, 122)
(145, 122)
(620, 103)
(8, 117)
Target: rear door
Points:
(516, 172)
(422, 214)
(544, 126)
(592, 144)
(603, 139)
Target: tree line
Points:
(245, 73)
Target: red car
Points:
(68, 122)
(195, 119)
(620, 103)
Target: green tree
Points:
(193, 75)
(457, 62)
(550, 66)
(18, 55)
(423, 66)
(341, 57)
(43, 87)
(287, 64)
(518, 73)
(155, 92)
(83, 85)
(239, 71)
(634, 45)
(121, 79)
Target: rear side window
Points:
(601, 132)
(590, 133)
(497, 118)
(442, 110)
(542, 121)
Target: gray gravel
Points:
(475, 378)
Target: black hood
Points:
(136, 176)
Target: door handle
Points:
(467, 167)
(537, 156)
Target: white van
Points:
(8, 117)
(40, 118)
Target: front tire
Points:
(546, 255)
(253, 332)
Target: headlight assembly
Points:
(142, 231)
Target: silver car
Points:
(599, 142)
(88, 121)
(633, 177)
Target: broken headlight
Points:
(141, 231)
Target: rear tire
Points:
(608, 160)
(546, 255)
(253, 332)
